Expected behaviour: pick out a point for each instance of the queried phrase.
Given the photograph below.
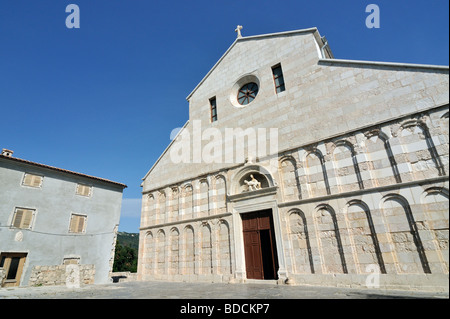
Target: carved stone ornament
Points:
(19, 236)
(253, 184)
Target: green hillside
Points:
(128, 239)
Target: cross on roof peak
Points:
(238, 30)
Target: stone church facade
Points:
(342, 179)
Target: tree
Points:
(125, 259)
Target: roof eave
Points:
(61, 170)
(386, 64)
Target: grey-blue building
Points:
(56, 226)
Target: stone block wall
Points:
(197, 198)
(368, 200)
(372, 199)
(57, 275)
(198, 249)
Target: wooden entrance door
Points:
(12, 264)
(259, 245)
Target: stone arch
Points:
(378, 147)
(149, 253)
(188, 200)
(204, 200)
(316, 172)
(162, 207)
(363, 236)
(220, 190)
(290, 179)
(189, 250)
(346, 166)
(302, 259)
(420, 149)
(444, 140)
(303, 174)
(329, 238)
(150, 209)
(444, 126)
(259, 172)
(225, 266)
(436, 190)
(160, 252)
(175, 203)
(404, 235)
(206, 249)
(435, 201)
(174, 252)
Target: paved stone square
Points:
(181, 290)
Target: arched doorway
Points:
(258, 241)
(261, 260)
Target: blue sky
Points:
(103, 99)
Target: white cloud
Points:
(131, 207)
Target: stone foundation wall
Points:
(60, 274)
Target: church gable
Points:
(248, 54)
(251, 60)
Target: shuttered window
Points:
(23, 218)
(32, 180)
(84, 190)
(77, 223)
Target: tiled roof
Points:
(19, 160)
